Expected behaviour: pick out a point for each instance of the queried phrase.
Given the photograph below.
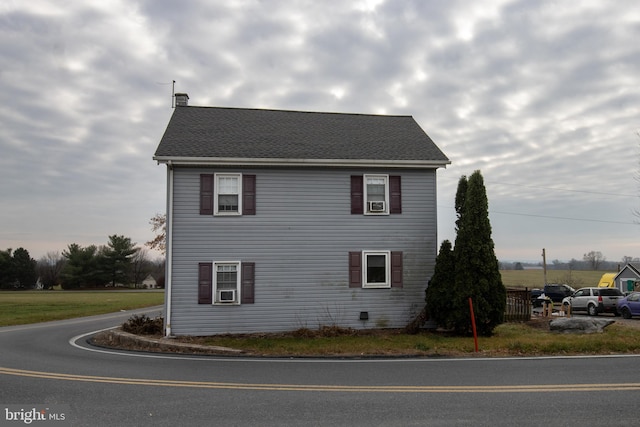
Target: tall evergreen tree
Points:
(81, 267)
(477, 271)
(438, 293)
(461, 194)
(25, 268)
(118, 257)
(470, 270)
(17, 269)
(447, 304)
(7, 270)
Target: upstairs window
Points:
(228, 190)
(376, 194)
(376, 200)
(227, 194)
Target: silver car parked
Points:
(594, 301)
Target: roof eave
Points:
(237, 161)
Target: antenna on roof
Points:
(173, 95)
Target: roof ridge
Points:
(295, 111)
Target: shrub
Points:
(143, 325)
(438, 293)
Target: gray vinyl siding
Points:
(300, 239)
(627, 273)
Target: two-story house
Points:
(279, 220)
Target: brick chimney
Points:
(182, 100)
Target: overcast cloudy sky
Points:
(542, 96)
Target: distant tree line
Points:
(592, 260)
(118, 263)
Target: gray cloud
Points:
(543, 97)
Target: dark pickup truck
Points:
(557, 292)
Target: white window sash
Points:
(376, 180)
(387, 267)
(224, 186)
(226, 267)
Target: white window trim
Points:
(366, 194)
(238, 265)
(215, 194)
(623, 283)
(387, 282)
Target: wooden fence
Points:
(518, 305)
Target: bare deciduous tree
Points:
(159, 226)
(49, 269)
(594, 259)
(140, 266)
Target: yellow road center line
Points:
(331, 388)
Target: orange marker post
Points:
(473, 324)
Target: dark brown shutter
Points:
(395, 194)
(205, 285)
(248, 194)
(396, 269)
(357, 194)
(247, 281)
(206, 194)
(355, 269)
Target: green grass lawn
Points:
(22, 307)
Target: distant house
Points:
(626, 279)
(278, 220)
(149, 282)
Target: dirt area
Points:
(539, 323)
(632, 323)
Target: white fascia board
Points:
(238, 161)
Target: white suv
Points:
(594, 301)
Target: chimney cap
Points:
(182, 99)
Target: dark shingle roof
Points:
(213, 132)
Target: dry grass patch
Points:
(510, 339)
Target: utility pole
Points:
(544, 265)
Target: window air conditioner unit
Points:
(376, 206)
(228, 295)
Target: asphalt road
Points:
(51, 364)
